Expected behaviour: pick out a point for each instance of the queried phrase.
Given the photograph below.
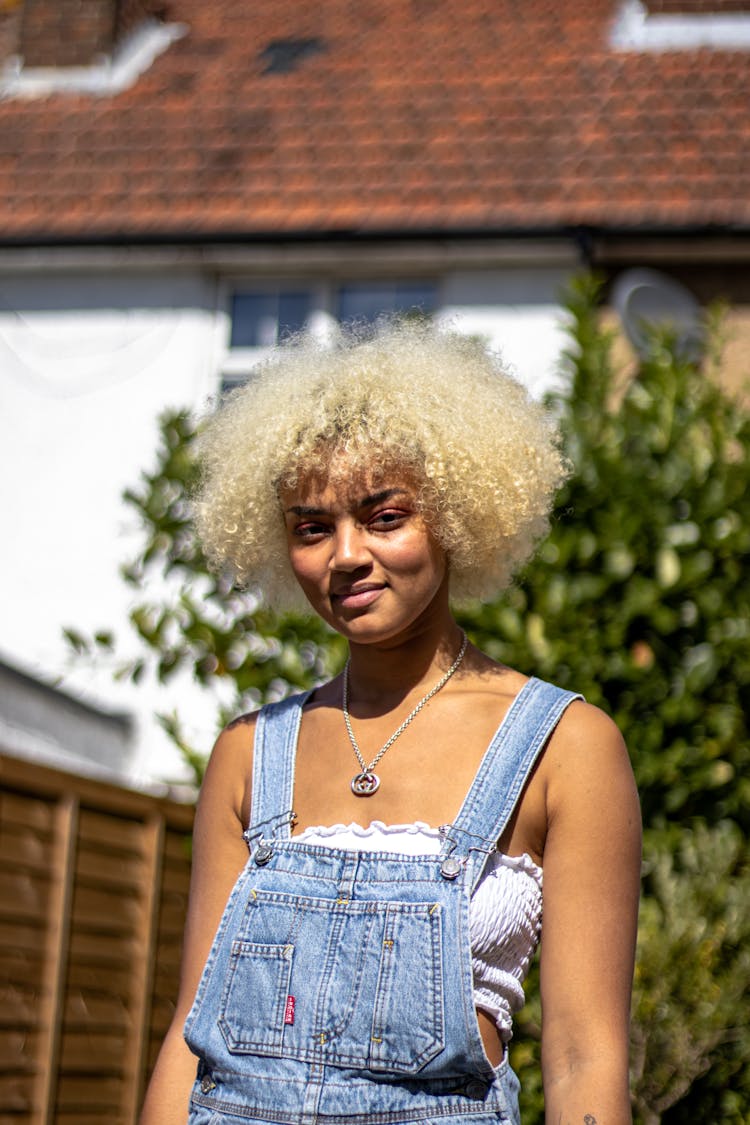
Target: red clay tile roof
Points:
(386, 115)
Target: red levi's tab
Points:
(289, 1010)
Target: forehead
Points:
(342, 484)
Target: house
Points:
(181, 183)
(44, 725)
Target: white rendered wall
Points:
(518, 312)
(87, 364)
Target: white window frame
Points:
(637, 29)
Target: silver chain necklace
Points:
(365, 783)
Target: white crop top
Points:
(506, 908)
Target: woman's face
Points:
(363, 555)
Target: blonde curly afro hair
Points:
(407, 396)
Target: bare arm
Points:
(591, 886)
(219, 854)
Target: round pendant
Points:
(365, 784)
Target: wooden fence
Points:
(93, 890)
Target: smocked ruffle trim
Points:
(374, 828)
(378, 829)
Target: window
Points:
(367, 300)
(261, 316)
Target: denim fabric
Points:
(339, 986)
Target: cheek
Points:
(310, 567)
(302, 566)
(426, 560)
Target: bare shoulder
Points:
(233, 749)
(586, 735)
(242, 725)
(587, 771)
(229, 770)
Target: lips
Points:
(358, 596)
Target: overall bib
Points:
(339, 989)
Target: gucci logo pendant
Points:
(365, 784)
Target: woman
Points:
(372, 946)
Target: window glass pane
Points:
(366, 301)
(363, 301)
(294, 309)
(260, 318)
(414, 296)
(253, 318)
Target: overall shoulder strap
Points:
(505, 768)
(274, 754)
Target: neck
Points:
(393, 669)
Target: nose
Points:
(350, 551)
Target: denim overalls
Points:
(339, 986)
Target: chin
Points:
(366, 629)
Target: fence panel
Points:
(93, 892)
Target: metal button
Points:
(207, 1084)
(475, 1088)
(262, 854)
(450, 868)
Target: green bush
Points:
(693, 977)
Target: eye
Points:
(309, 529)
(387, 519)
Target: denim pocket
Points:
(354, 984)
(407, 1027)
(262, 1026)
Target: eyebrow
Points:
(364, 502)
